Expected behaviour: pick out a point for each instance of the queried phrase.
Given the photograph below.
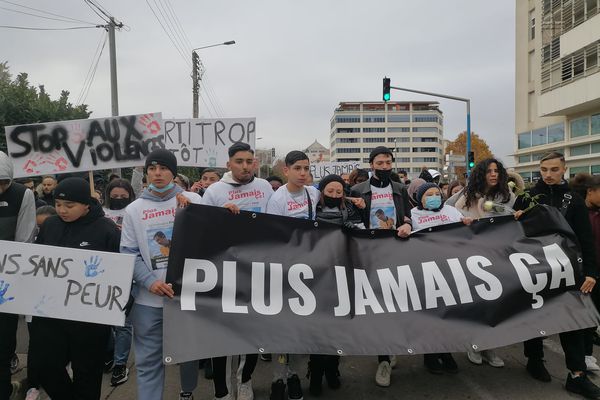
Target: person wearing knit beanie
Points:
(73, 189)
(162, 157)
(161, 179)
(422, 190)
(330, 178)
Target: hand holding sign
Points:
(3, 288)
(91, 268)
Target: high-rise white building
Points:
(557, 96)
(412, 130)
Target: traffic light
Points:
(386, 89)
(471, 159)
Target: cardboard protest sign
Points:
(83, 145)
(321, 170)
(64, 283)
(204, 142)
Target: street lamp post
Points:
(197, 73)
(467, 101)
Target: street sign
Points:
(455, 157)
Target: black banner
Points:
(253, 283)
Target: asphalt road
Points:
(410, 380)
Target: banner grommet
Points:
(340, 352)
(261, 350)
(474, 347)
(543, 333)
(168, 359)
(410, 351)
(253, 215)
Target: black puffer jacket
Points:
(350, 214)
(91, 232)
(577, 216)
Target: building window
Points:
(595, 169)
(347, 130)
(580, 127)
(366, 160)
(396, 129)
(536, 176)
(373, 118)
(580, 150)
(425, 118)
(399, 118)
(596, 124)
(526, 176)
(415, 169)
(347, 140)
(347, 119)
(525, 159)
(348, 159)
(425, 140)
(424, 149)
(578, 170)
(374, 140)
(531, 26)
(371, 130)
(398, 139)
(524, 140)
(425, 160)
(595, 148)
(368, 149)
(556, 133)
(348, 150)
(403, 159)
(538, 137)
(425, 129)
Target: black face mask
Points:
(118, 204)
(383, 176)
(332, 202)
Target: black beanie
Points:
(331, 178)
(73, 189)
(421, 191)
(163, 157)
(380, 150)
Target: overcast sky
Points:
(292, 63)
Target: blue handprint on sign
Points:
(3, 288)
(91, 267)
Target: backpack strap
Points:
(566, 202)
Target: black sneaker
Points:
(108, 366)
(537, 370)
(433, 364)
(596, 338)
(583, 386)
(120, 375)
(277, 390)
(448, 363)
(266, 357)
(332, 373)
(294, 388)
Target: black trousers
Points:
(55, 343)
(220, 376)
(8, 344)
(573, 344)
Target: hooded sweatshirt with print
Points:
(146, 233)
(17, 207)
(252, 196)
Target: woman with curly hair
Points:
(487, 193)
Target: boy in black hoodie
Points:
(80, 224)
(554, 191)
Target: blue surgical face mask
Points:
(433, 202)
(161, 190)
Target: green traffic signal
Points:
(471, 159)
(386, 89)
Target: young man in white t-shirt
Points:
(295, 200)
(147, 219)
(387, 207)
(237, 191)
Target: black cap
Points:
(163, 157)
(380, 150)
(73, 189)
(331, 178)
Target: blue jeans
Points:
(123, 335)
(147, 339)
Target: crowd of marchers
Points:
(67, 359)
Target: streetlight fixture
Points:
(197, 74)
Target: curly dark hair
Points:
(477, 186)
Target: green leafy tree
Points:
(21, 103)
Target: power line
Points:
(49, 29)
(168, 23)
(96, 12)
(94, 72)
(188, 62)
(46, 12)
(179, 24)
(89, 72)
(99, 6)
(40, 16)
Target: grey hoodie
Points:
(24, 227)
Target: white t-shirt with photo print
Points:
(253, 196)
(295, 205)
(382, 200)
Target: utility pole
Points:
(195, 83)
(114, 96)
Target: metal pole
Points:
(468, 137)
(114, 95)
(195, 85)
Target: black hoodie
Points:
(577, 216)
(91, 232)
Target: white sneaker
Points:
(245, 391)
(16, 391)
(590, 363)
(227, 397)
(393, 361)
(490, 357)
(32, 394)
(474, 357)
(384, 374)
